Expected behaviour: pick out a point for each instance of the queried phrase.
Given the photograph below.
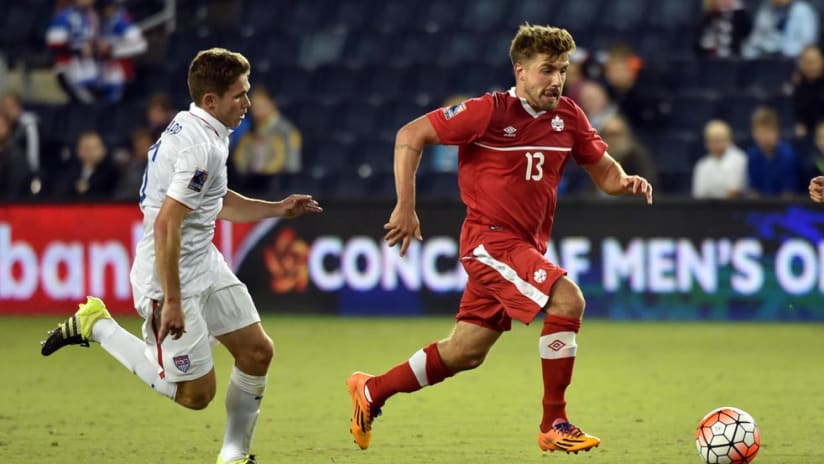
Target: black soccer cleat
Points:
(77, 329)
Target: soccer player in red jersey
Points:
(513, 148)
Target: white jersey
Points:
(188, 164)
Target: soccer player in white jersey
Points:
(182, 286)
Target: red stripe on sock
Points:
(557, 373)
(401, 378)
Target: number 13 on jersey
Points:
(534, 166)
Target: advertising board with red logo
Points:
(675, 260)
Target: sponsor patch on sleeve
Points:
(454, 110)
(198, 180)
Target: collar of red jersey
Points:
(526, 106)
(220, 130)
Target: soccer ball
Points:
(727, 436)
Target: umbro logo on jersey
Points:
(509, 131)
(557, 124)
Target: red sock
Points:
(425, 367)
(557, 348)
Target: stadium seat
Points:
(483, 15)
(478, 79)
(737, 111)
(357, 119)
(397, 16)
(333, 81)
(366, 48)
(385, 81)
(626, 15)
(691, 112)
(532, 11)
(441, 15)
(438, 186)
(670, 14)
(578, 15)
(765, 77)
(459, 48)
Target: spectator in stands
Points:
(13, 165)
(808, 90)
(640, 104)
(596, 104)
(722, 172)
(71, 37)
(577, 74)
(625, 148)
(782, 28)
(93, 175)
(772, 164)
(159, 113)
(444, 158)
(120, 41)
(725, 24)
(131, 171)
(273, 144)
(814, 162)
(25, 135)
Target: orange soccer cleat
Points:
(362, 414)
(564, 436)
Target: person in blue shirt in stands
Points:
(772, 164)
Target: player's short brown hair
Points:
(215, 70)
(765, 117)
(532, 40)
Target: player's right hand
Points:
(172, 321)
(817, 189)
(402, 226)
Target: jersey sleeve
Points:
(462, 123)
(588, 147)
(190, 179)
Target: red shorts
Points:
(507, 280)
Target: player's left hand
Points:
(637, 185)
(299, 204)
(817, 189)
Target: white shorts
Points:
(224, 307)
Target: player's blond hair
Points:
(532, 40)
(214, 71)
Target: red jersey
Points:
(510, 161)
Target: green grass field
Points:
(641, 387)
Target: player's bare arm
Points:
(167, 232)
(403, 223)
(239, 208)
(817, 189)
(610, 177)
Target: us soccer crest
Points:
(182, 363)
(557, 124)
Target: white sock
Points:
(130, 351)
(242, 409)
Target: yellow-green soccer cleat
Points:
(564, 436)
(248, 459)
(77, 329)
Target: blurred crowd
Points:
(95, 45)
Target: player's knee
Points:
(467, 359)
(262, 353)
(195, 398)
(566, 300)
